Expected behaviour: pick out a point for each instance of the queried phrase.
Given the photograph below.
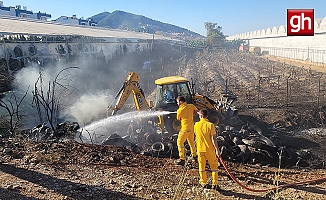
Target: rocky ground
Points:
(71, 170)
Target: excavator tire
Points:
(172, 125)
(215, 117)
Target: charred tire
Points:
(157, 147)
(162, 149)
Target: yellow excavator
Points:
(167, 89)
(131, 85)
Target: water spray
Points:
(102, 127)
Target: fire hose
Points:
(263, 190)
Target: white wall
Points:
(276, 42)
(49, 49)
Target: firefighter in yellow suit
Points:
(185, 114)
(207, 148)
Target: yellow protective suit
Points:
(204, 131)
(185, 114)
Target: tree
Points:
(196, 43)
(215, 36)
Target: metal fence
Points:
(281, 91)
(306, 54)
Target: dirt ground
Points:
(80, 171)
(71, 170)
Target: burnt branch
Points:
(11, 105)
(47, 99)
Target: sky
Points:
(235, 16)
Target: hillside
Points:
(128, 21)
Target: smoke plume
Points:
(74, 102)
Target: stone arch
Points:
(91, 48)
(74, 48)
(60, 49)
(281, 30)
(69, 48)
(274, 30)
(32, 50)
(82, 48)
(18, 51)
(258, 33)
(85, 48)
(12, 56)
(245, 35)
(252, 34)
(268, 31)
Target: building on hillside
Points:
(43, 16)
(74, 20)
(17, 11)
(68, 20)
(87, 22)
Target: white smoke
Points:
(74, 102)
(89, 107)
(26, 78)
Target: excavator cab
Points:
(166, 97)
(167, 90)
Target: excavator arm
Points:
(131, 85)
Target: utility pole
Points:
(258, 99)
(180, 41)
(152, 43)
(318, 91)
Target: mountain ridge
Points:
(128, 21)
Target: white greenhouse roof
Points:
(9, 25)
